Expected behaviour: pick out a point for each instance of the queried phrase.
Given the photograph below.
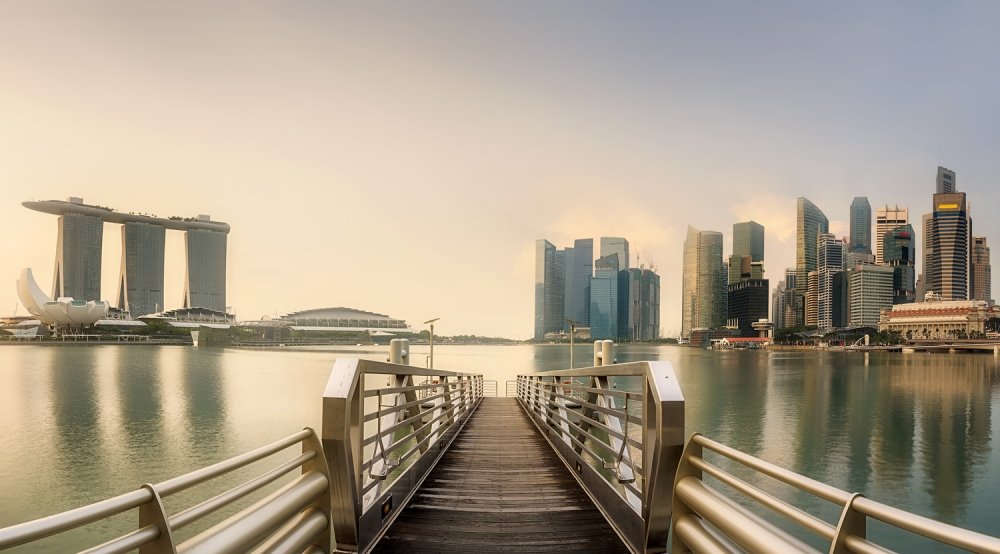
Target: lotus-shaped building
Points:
(62, 312)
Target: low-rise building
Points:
(937, 319)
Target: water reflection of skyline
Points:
(914, 431)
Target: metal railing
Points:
(706, 520)
(295, 517)
(620, 431)
(384, 428)
(511, 388)
(490, 388)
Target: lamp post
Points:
(572, 332)
(431, 323)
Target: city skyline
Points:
(366, 153)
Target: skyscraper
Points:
(870, 293)
(831, 262)
(981, 275)
(579, 270)
(702, 303)
(748, 240)
(887, 219)
(78, 257)
(549, 282)
(947, 240)
(638, 304)
(900, 255)
(616, 245)
(778, 305)
(809, 223)
(861, 226)
(946, 181)
(205, 282)
(140, 285)
(604, 298)
(747, 305)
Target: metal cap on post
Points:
(399, 351)
(607, 352)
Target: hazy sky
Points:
(402, 157)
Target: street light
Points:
(431, 322)
(572, 331)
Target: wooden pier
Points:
(500, 488)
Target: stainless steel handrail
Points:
(385, 426)
(490, 388)
(619, 429)
(309, 494)
(706, 519)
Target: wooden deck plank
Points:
(500, 487)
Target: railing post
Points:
(325, 501)
(663, 447)
(399, 351)
(152, 513)
(852, 523)
(607, 352)
(341, 432)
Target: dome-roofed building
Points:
(322, 325)
(343, 319)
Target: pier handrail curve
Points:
(385, 426)
(581, 413)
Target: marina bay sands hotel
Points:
(140, 284)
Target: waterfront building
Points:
(617, 246)
(937, 319)
(79, 246)
(980, 270)
(811, 299)
(205, 282)
(840, 300)
(638, 305)
(579, 270)
(140, 288)
(791, 302)
(549, 294)
(702, 282)
(830, 260)
(887, 219)
(947, 239)
(809, 223)
(900, 255)
(604, 298)
(870, 290)
(778, 305)
(140, 284)
(747, 305)
(861, 226)
(747, 259)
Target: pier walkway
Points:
(421, 460)
(499, 488)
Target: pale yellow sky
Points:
(403, 158)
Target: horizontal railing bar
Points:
(198, 511)
(614, 412)
(861, 546)
(188, 480)
(389, 410)
(607, 447)
(414, 388)
(252, 525)
(402, 440)
(607, 429)
(691, 530)
(802, 482)
(805, 519)
(615, 370)
(619, 393)
(299, 533)
(936, 530)
(127, 543)
(57, 523)
(736, 522)
(395, 369)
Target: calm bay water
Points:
(82, 423)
